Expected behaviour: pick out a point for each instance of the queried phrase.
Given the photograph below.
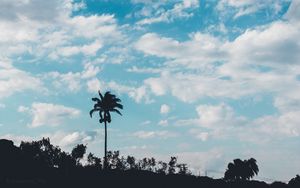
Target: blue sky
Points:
(205, 80)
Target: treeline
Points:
(45, 154)
(42, 164)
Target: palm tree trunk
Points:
(105, 147)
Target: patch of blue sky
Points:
(254, 106)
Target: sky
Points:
(207, 81)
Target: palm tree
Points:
(241, 170)
(104, 105)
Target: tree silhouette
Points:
(162, 167)
(94, 161)
(295, 182)
(78, 152)
(104, 105)
(172, 165)
(183, 169)
(241, 170)
(131, 162)
(44, 165)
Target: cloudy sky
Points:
(205, 80)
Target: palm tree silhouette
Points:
(241, 170)
(104, 105)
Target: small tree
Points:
(78, 153)
(131, 162)
(183, 169)
(162, 167)
(172, 165)
(94, 161)
(114, 161)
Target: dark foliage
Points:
(40, 164)
(295, 182)
(78, 153)
(241, 170)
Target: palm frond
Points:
(96, 100)
(96, 106)
(117, 100)
(107, 94)
(117, 111)
(100, 94)
(118, 105)
(92, 111)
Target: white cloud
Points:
(267, 45)
(47, 114)
(48, 29)
(293, 13)
(147, 122)
(180, 10)
(163, 123)
(136, 93)
(68, 80)
(198, 51)
(211, 116)
(154, 134)
(70, 139)
(198, 134)
(14, 80)
(23, 109)
(261, 60)
(17, 139)
(221, 122)
(241, 8)
(215, 121)
(88, 49)
(284, 124)
(73, 80)
(143, 70)
(65, 140)
(94, 85)
(164, 109)
(190, 87)
(90, 71)
(200, 162)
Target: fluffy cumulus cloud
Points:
(214, 121)
(221, 122)
(14, 80)
(138, 94)
(263, 59)
(47, 114)
(47, 29)
(198, 51)
(74, 81)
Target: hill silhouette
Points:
(41, 164)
